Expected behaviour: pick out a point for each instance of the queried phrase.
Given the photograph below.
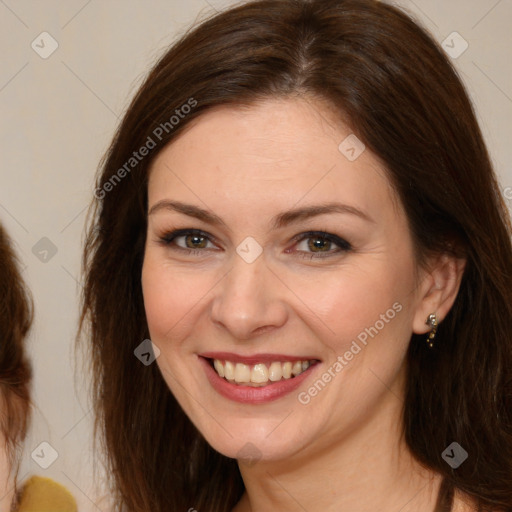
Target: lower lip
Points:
(253, 395)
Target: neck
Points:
(369, 469)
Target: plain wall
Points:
(58, 117)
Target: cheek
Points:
(171, 296)
(365, 311)
(350, 301)
(163, 299)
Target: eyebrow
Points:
(279, 221)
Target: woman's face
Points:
(250, 288)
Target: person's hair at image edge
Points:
(398, 92)
(16, 315)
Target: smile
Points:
(260, 374)
(256, 379)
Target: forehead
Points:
(274, 153)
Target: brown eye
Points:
(319, 244)
(196, 241)
(193, 240)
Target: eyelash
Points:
(344, 246)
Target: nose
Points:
(249, 300)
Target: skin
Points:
(6, 479)
(343, 450)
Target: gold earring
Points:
(432, 322)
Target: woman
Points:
(299, 211)
(15, 322)
(38, 494)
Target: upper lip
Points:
(256, 358)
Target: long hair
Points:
(16, 315)
(393, 85)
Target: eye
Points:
(319, 243)
(194, 240)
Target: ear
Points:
(438, 289)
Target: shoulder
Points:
(41, 494)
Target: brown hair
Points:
(15, 371)
(407, 104)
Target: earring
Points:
(432, 322)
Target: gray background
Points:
(58, 116)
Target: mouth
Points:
(256, 379)
(259, 374)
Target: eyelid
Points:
(331, 237)
(343, 245)
(168, 237)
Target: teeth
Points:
(297, 368)
(275, 372)
(218, 367)
(242, 373)
(287, 370)
(229, 370)
(259, 374)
